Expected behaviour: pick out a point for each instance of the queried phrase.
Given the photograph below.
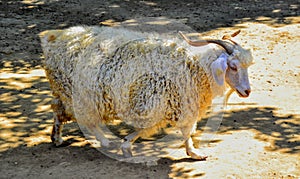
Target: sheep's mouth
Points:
(241, 94)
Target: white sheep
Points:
(99, 74)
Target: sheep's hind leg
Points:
(96, 130)
(189, 144)
(59, 118)
(56, 135)
(126, 145)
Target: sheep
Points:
(99, 74)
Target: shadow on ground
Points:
(281, 131)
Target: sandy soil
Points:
(259, 136)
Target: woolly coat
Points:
(98, 74)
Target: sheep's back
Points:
(143, 82)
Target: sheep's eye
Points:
(233, 67)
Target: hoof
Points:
(57, 141)
(105, 143)
(126, 149)
(195, 154)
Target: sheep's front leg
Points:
(189, 144)
(191, 151)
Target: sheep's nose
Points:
(248, 91)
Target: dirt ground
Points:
(259, 136)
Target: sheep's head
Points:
(231, 66)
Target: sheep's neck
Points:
(203, 85)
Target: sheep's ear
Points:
(218, 68)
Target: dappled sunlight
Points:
(33, 2)
(232, 157)
(184, 172)
(280, 132)
(161, 25)
(25, 117)
(270, 14)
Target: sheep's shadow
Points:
(45, 160)
(281, 131)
